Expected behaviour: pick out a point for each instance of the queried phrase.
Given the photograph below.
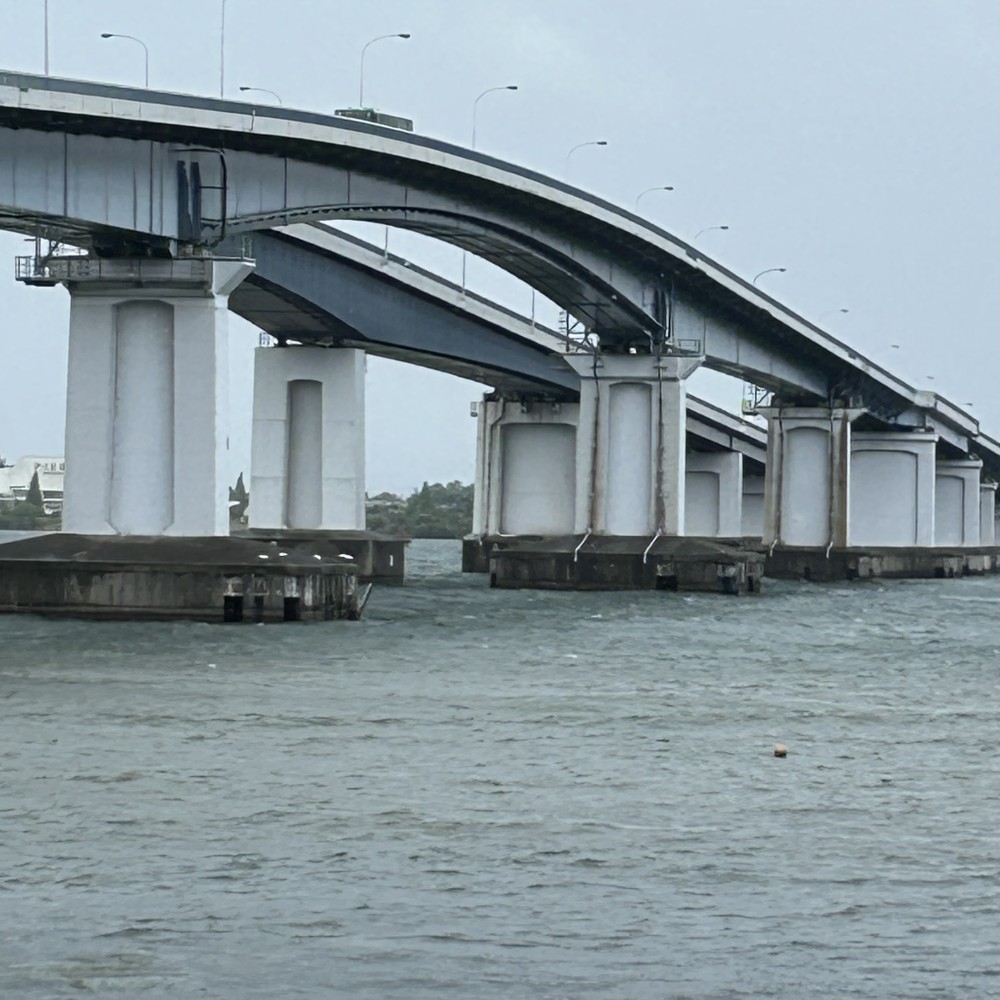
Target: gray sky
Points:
(854, 142)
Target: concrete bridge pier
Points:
(525, 468)
(146, 495)
(752, 505)
(307, 478)
(957, 503)
(593, 495)
(308, 441)
(713, 494)
(892, 487)
(841, 503)
(807, 476)
(987, 513)
(631, 444)
(146, 429)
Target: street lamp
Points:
(580, 145)
(767, 271)
(131, 38)
(361, 76)
(475, 106)
(222, 50)
(263, 90)
(45, 14)
(707, 229)
(662, 187)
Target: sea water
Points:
(476, 793)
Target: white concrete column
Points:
(526, 480)
(806, 485)
(752, 521)
(304, 461)
(142, 468)
(147, 393)
(713, 497)
(480, 486)
(956, 503)
(630, 446)
(892, 488)
(987, 513)
(308, 442)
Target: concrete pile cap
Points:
(220, 553)
(675, 549)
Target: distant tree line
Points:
(436, 510)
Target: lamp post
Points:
(222, 50)
(475, 106)
(45, 14)
(580, 145)
(662, 187)
(361, 75)
(262, 90)
(132, 38)
(767, 271)
(707, 229)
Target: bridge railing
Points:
(35, 270)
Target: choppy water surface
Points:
(509, 794)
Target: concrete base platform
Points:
(379, 558)
(207, 579)
(624, 563)
(476, 551)
(870, 563)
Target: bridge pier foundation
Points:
(146, 430)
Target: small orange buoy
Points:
(780, 750)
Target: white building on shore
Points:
(15, 480)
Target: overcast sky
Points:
(854, 142)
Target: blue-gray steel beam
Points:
(315, 296)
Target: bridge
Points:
(159, 188)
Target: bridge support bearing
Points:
(891, 491)
(308, 444)
(146, 431)
(957, 503)
(987, 513)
